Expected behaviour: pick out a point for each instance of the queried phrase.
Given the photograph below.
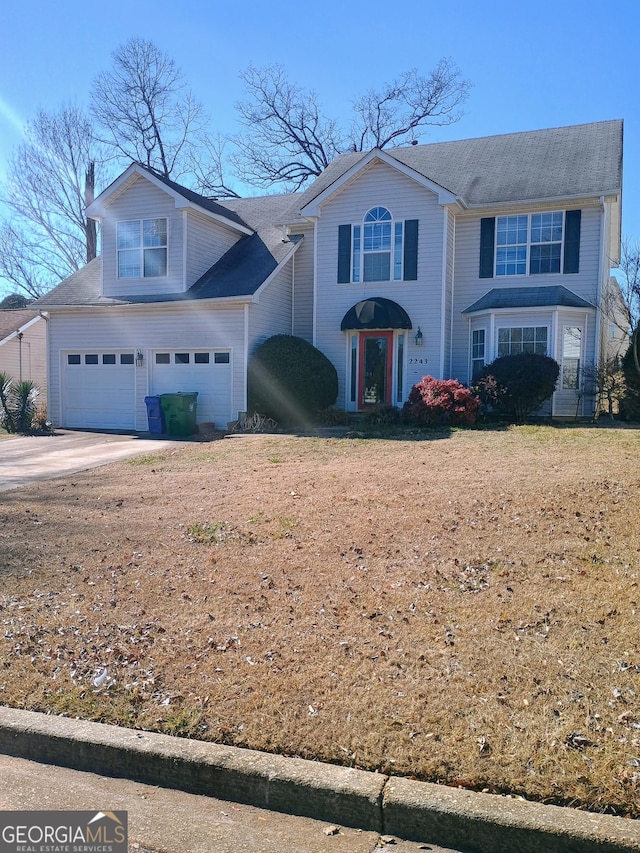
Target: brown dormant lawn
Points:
(461, 608)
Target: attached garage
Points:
(206, 371)
(98, 390)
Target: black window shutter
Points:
(487, 240)
(344, 254)
(411, 250)
(572, 241)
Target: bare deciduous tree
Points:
(401, 108)
(626, 312)
(145, 111)
(46, 235)
(208, 167)
(287, 140)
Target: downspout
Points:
(20, 336)
(443, 295)
(598, 343)
(45, 317)
(246, 358)
(557, 345)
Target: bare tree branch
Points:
(287, 140)
(46, 235)
(397, 111)
(208, 169)
(145, 112)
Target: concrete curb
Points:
(417, 811)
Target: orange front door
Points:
(374, 372)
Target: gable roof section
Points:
(182, 196)
(528, 297)
(310, 205)
(15, 320)
(239, 273)
(578, 161)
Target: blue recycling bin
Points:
(155, 415)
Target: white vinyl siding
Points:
(142, 201)
(207, 242)
(303, 287)
(148, 329)
(469, 287)
(405, 199)
(271, 314)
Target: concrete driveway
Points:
(28, 459)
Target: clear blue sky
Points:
(532, 65)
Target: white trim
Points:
(245, 395)
(443, 294)
(312, 208)
(554, 334)
(256, 296)
(314, 325)
(527, 202)
(184, 249)
(97, 208)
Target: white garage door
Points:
(98, 390)
(206, 371)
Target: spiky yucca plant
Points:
(17, 403)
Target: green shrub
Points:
(514, 386)
(440, 402)
(290, 381)
(630, 403)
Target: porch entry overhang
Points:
(375, 313)
(376, 351)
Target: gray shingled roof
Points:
(240, 271)
(12, 319)
(210, 204)
(528, 297)
(565, 162)
(575, 161)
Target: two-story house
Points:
(395, 263)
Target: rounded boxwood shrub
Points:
(440, 402)
(514, 386)
(290, 381)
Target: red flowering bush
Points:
(441, 402)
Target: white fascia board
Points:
(97, 208)
(271, 276)
(444, 195)
(529, 202)
(530, 309)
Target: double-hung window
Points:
(477, 353)
(142, 248)
(379, 248)
(529, 242)
(571, 351)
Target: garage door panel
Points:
(99, 390)
(174, 372)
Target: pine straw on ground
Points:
(461, 608)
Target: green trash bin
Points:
(180, 412)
